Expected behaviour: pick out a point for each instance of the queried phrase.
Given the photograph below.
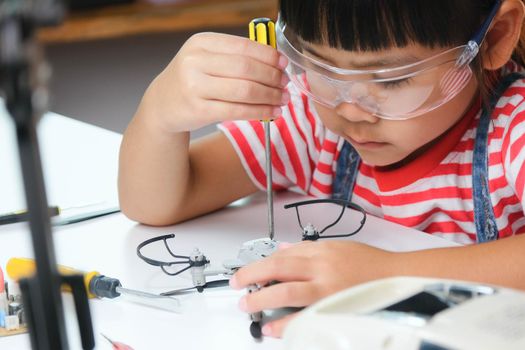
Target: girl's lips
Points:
(366, 143)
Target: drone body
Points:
(252, 251)
(198, 264)
(249, 252)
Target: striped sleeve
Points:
(513, 141)
(294, 136)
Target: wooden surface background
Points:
(144, 17)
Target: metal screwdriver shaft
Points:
(269, 188)
(262, 30)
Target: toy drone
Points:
(198, 264)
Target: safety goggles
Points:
(397, 93)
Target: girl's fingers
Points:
(235, 45)
(221, 111)
(243, 91)
(243, 67)
(303, 248)
(276, 328)
(288, 294)
(285, 245)
(274, 268)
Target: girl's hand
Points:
(308, 272)
(217, 77)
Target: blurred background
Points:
(106, 52)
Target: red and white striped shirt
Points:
(432, 193)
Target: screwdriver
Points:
(97, 285)
(22, 215)
(262, 30)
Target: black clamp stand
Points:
(22, 80)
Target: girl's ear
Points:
(504, 34)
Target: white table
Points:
(80, 163)
(210, 320)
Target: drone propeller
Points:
(207, 285)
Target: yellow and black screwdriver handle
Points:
(21, 270)
(262, 30)
(96, 285)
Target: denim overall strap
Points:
(346, 172)
(486, 228)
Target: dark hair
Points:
(372, 25)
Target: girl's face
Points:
(382, 142)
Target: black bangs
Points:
(373, 25)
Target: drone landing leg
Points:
(256, 317)
(255, 330)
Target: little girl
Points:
(410, 108)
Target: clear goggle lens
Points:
(391, 93)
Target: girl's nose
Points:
(354, 113)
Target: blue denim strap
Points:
(346, 172)
(486, 228)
